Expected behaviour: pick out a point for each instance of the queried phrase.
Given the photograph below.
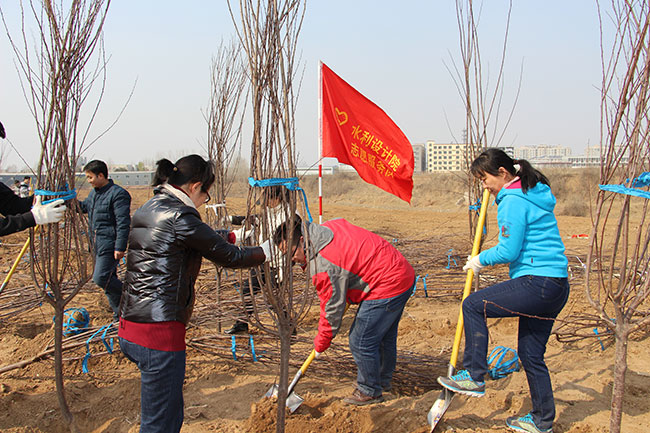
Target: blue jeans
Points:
(105, 276)
(543, 297)
(373, 342)
(161, 387)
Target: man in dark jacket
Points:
(109, 218)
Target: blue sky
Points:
(395, 53)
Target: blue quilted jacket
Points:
(109, 217)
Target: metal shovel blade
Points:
(439, 408)
(293, 400)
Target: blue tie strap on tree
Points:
(602, 346)
(290, 183)
(252, 343)
(502, 361)
(109, 346)
(75, 321)
(64, 194)
(450, 258)
(476, 206)
(642, 180)
(233, 347)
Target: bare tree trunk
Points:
(58, 366)
(620, 369)
(285, 356)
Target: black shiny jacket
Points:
(166, 244)
(16, 211)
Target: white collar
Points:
(179, 195)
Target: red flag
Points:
(359, 133)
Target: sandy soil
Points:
(224, 395)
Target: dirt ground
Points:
(226, 395)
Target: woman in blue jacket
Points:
(529, 240)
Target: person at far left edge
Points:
(109, 219)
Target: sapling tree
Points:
(268, 31)
(616, 281)
(482, 94)
(224, 118)
(58, 70)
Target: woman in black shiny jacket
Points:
(166, 245)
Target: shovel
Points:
(293, 399)
(16, 262)
(441, 405)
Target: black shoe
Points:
(238, 328)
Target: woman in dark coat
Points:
(166, 245)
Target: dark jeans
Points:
(161, 387)
(258, 279)
(528, 295)
(105, 276)
(373, 342)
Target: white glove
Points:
(48, 213)
(266, 247)
(474, 264)
(318, 354)
(242, 233)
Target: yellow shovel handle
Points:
(470, 276)
(308, 361)
(17, 261)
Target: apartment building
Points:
(445, 156)
(419, 158)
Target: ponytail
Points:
(529, 175)
(492, 158)
(188, 169)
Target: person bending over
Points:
(349, 264)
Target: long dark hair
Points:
(491, 159)
(188, 169)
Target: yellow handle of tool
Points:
(15, 265)
(470, 276)
(308, 361)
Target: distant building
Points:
(446, 156)
(541, 152)
(131, 178)
(592, 158)
(419, 158)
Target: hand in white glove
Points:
(474, 264)
(266, 247)
(48, 213)
(318, 354)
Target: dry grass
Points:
(574, 189)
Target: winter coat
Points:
(349, 264)
(166, 245)
(529, 238)
(109, 217)
(16, 211)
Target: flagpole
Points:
(320, 144)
